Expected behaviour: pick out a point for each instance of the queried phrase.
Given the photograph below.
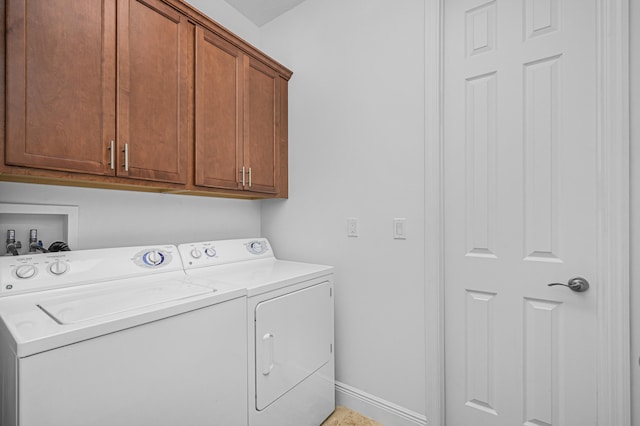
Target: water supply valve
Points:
(33, 240)
(12, 245)
(35, 245)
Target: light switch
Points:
(400, 228)
(352, 227)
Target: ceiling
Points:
(262, 11)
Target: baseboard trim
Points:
(376, 408)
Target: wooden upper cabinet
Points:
(237, 118)
(65, 86)
(261, 126)
(153, 91)
(140, 94)
(60, 87)
(218, 93)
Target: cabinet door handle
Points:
(112, 155)
(249, 177)
(126, 157)
(242, 176)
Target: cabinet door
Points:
(61, 79)
(152, 91)
(261, 126)
(218, 91)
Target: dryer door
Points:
(294, 338)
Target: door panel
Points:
(61, 83)
(153, 91)
(293, 339)
(520, 209)
(262, 126)
(219, 89)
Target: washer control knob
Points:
(25, 271)
(210, 251)
(196, 253)
(153, 258)
(257, 247)
(58, 267)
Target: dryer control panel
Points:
(211, 253)
(45, 271)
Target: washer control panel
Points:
(212, 253)
(45, 271)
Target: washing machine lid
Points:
(76, 308)
(41, 321)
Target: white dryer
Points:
(118, 337)
(290, 333)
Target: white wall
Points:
(110, 218)
(356, 149)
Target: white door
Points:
(520, 212)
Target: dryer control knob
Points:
(26, 271)
(196, 253)
(58, 267)
(153, 258)
(211, 252)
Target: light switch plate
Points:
(400, 228)
(352, 227)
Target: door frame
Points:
(613, 254)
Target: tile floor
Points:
(343, 416)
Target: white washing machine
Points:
(118, 337)
(290, 327)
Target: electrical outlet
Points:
(352, 227)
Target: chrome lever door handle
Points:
(577, 284)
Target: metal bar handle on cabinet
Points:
(242, 176)
(577, 284)
(126, 157)
(112, 155)
(249, 177)
(267, 366)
